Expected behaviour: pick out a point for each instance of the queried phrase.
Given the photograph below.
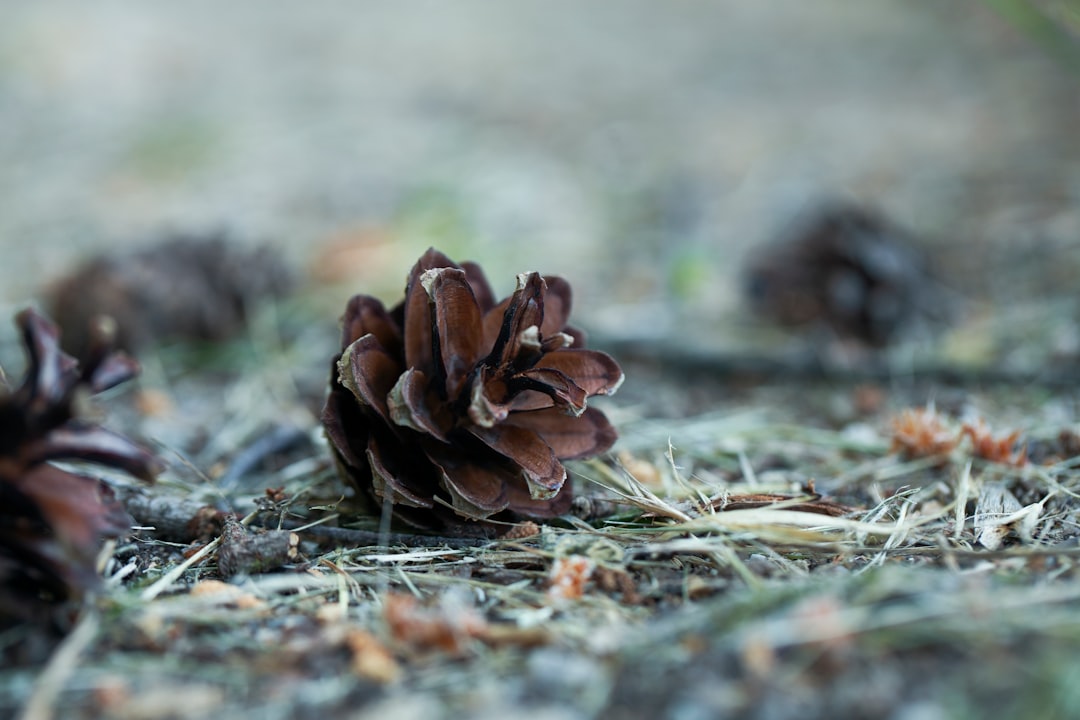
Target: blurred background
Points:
(647, 151)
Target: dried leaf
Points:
(999, 514)
(993, 513)
(812, 503)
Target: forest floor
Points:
(757, 549)
(757, 544)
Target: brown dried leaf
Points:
(813, 503)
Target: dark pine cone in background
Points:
(53, 522)
(188, 288)
(849, 269)
(454, 406)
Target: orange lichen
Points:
(216, 592)
(999, 449)
(370, 658)
(569, 576)
(423, 629)
(522, 530)
(921, 432)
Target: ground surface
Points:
(642, 152)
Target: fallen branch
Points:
(246, 553)
(172, 518)
(359, 538)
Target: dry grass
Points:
(702, 570)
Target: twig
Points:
(170, 577)
(244, 552)
(313, 523)
(60, 667)
(375, 538)
(173, 518)
(674, 357)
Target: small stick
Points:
(243, 552)
(375, 538)
(762, 367)
(172, 518)
(173, 575)
(371, 537)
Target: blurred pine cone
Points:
(188, 287)
(849, 269)
(452, 405)
(53, 522)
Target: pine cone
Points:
(454, 406)
(53, 522)
(847, 268)
(189, 287)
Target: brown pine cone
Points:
(53, 522)
(849, 269)
(189, 288)
(452, 406)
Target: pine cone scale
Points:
(524, 504)
(563, 392)
(493, 322)
(458, 329)
(96, 445)
(49, 371)
(396, 478)
(526, 449)
(63, 500)
(111, 371)
(366, 315)
(410, 407)
(369, 372)
(595, 372)
(418, 328)
(475, 491)
(350, 445)
(589, 434)
(525, 310)
(52, 522)
(557, 305)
